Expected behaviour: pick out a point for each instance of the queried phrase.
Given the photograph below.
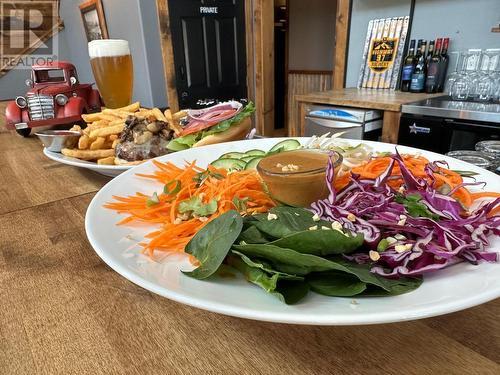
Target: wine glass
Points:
(457, 72)
(460, 89)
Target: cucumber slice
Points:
(246, 159)
(229, 164)
(255, 153)
(233, 155)
(287, 145)
(252, 164)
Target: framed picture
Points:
(94, 21)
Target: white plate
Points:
(452, 289)
(106, 170)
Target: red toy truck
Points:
(55, 97)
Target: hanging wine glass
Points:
(457, 72)
(460, 89)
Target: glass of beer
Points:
(113, 71)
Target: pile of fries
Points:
(99, 139)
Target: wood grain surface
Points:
(384, 100)
(63, 311)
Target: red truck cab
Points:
(55, 97)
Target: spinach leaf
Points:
(399, 286)
(362, 271)
(212, 243)
(282, 259)
(264, 266)
(414, 207)
(290, 220)
(252, 235)
(289, 291)
(335, 284)
(320, 242)
(196, 206)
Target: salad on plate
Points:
(323, 217)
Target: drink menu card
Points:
(382, 54)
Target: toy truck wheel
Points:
(24, 132)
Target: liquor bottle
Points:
(430, 53)
(418, 77)
(432, 77)
(443, 65)
(408, 66)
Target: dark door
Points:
(208, 38)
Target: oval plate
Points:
(456, 288)
(106, 170)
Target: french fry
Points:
(113, 137)
(76, 128)
(98, 143)
(88, 154)
(158, 115)
(118, 113)
(83, 142)
(104, 132)
(172, 123)
(96, 125)
(179, 115)
(168, 114)
(108, 117)
(131, 107)
(116, 122)
(115, 142)
(91, 117)
(110, 160)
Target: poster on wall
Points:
(93, 19)
(382, 53)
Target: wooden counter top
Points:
(63, 311)
(364, 98)
(385, 100)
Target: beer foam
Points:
(108, 47)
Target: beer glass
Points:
(113, 71)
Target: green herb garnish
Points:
(241, 204)
(414, 207)
(154, 200)
(172, 187)
(201, 177)
(197, 207)
(465, 173)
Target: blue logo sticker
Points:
(419, 129)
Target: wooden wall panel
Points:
(264, 66)
(168, 54)
(341, 42)
(304, 82)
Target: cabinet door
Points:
(425, 133)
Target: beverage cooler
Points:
(443, 125)
(354, 123)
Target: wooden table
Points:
(63, 311)
(388, 101)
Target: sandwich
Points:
(223, 122)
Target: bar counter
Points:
(389, 102)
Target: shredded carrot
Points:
(174, 233)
